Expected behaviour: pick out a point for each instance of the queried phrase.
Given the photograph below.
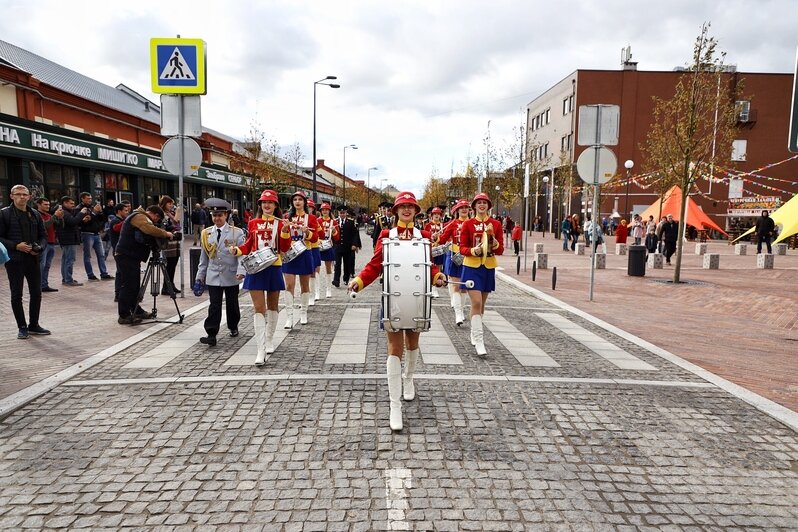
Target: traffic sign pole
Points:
(181, 120)
(593, 226)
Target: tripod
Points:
(156, 269)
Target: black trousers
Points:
(215, 309)
(128, 271)
(669, 249)
(18, 271)
(347, 258)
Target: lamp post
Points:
(382, 188)
(352, 146)
(368, 189)
(334, 86)
(545, 203)
(629, 164)
(498, 200)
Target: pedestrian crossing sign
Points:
(178, 66)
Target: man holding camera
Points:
(136, 241)
(23, 235)
(91, 224)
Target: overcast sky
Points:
(419, 79)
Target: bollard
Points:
(518, 265)
(534, 269)
(554, 278)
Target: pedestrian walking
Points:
(399, 385)
(565, 229)
(670, 235)
(480, 242)
(765, 230)
(266, 230)
(220, 271)
(345, 248)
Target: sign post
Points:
(792, 142)
(178, 68)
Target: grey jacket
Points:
(217, 267)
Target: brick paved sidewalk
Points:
(740, 322)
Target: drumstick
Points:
(352, 294)
(468, 284)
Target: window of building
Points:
(564, 143)
(565, 108)
(548, 116)
(739, 148)
(743, 109)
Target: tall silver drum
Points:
(407, 282)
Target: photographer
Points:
(136, 240)
(22, 233)
(91, 223)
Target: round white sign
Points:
(607, 165)
(192, 156)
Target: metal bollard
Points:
(518, 265)
(554, 278)
(534, 269)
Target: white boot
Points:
(473, 338)
(408, 388)
(478, 334)
(289, 311)
(303, 309)
(271, 326)
(316, 287)
(464, 299)
(313, 286)
(394, 366)
(328, 283)
(260, 337)
(452, 294)
(435, 294)
(457, 303)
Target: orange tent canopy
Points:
(672, 205)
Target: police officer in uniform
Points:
(220, 271)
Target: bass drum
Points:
(407, 283)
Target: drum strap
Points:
(394, 233)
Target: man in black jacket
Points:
(670, 235)
(91, 224)
(69, 240)
(22, 233)
(765, 227)
(133, 248)
(346, 247)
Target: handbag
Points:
(3, 254)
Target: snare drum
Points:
(457, 258)
(297, 248)
(437, 251)
(407, 281)
(259, 260)
(325, 245)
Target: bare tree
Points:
(685, 135)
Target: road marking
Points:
(299, 377)
(608, 351)
(161, 355)
(436, 346)
(525, 351)
(398, 482)
(351, 338)
(245, 356)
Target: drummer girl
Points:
(265, 231)
(434, 227)
(329, 231)
(480, 241)
(314, 248)
(301, 226)
(453, 270)
(405, 208)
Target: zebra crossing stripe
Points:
(608, 351)
(245, 356)
(525, 351)
(436, 346)
(162, 354)
(351, 339)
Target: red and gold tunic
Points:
(373, 268)
(305, 227)
(262, 233)
(471, 237)
(434, 229)
(328, 229)
(451, 232)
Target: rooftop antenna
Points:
(626, 58)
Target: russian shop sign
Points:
(753, 206)
(30, 142)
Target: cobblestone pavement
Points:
(489, 444)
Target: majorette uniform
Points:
(397, 381)
(451, 233)
(480, 269)
(315, 253)
(328, 229)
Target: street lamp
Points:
(498, 200)
(629, 164)
(382, 188)
(545, 203)
(368, 189)
(334, 86)
(352, 146)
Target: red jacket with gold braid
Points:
(471, 237)
(312, 228)
(433, 229)
(325, 229)
(451, 231)
(373, 269)
(260, 236)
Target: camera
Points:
(177, 236)
(35, 247)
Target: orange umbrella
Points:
(672, 205)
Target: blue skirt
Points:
(302, 265)
(484, 278)
(316, 257)
(440, 260)
(328, 255)
(268, 280)
(451, 269)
